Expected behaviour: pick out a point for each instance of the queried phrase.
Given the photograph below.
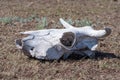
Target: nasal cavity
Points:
(32, 48)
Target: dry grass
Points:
(15, 66)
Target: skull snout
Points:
(26, 50)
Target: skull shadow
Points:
(98, 56)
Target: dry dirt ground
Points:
(15, 66)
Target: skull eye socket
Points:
(67, 39)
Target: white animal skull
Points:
(52, 44)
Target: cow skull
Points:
(52, 44)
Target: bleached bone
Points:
(66, 25)
(52, 44)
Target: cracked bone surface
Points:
(50, 44)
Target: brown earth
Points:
(15, 66)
